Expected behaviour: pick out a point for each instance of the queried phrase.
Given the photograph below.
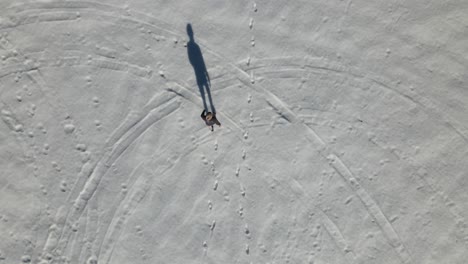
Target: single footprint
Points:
(69, 128)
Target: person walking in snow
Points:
(210, 119)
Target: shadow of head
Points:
(190, 31)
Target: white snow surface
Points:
(343, 140)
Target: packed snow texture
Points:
(343, 140)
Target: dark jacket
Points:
(211, 122)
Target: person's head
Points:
(209, 116)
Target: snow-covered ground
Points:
(343, 140)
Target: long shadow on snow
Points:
(203, 79)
